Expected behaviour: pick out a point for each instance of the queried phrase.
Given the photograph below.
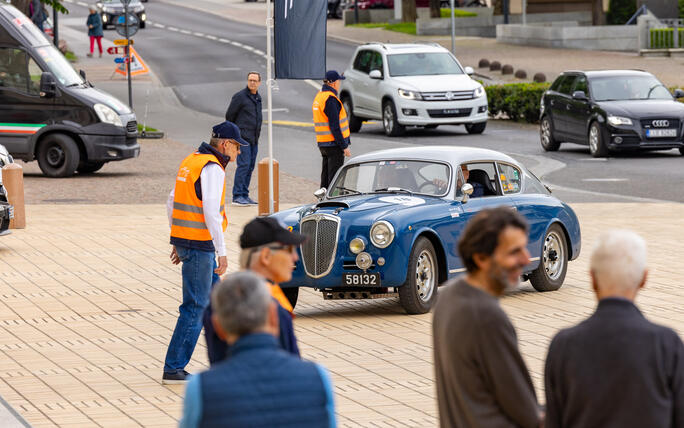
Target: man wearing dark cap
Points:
(196, 210)
(269, 250)
(332, 127)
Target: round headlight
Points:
(382, 234)
(357, 245)
(364, 261)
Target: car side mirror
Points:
(320, 193)
(469, 71)
(579, 96)
(467, 190)
(678, 93)
(48, 85)
(375, 74)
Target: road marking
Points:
(605, 180)
(238, 44)
(210, 37)
(228, 68)
(185, 32)
(258, 52)
(198, 34)
(81, 3)
(283, 109)
(292, 123)
(173, 29)
(594, 160)
(159, 25)
(312, 83)
(222, 40)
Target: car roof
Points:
(608, 73)
(450, 154)
(393, 48)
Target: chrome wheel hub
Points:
(553, 256)
(425, 276)
(546, 132)
(388, 118)
(593, 139)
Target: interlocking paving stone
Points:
(88, 307)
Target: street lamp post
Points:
(269, 103)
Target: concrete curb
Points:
(9, 418)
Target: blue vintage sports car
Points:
(390, 223)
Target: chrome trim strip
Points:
(457, 270)
(534, 259)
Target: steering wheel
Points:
(433, 190)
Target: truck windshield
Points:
(59, 66)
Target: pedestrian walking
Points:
(259, 385)
(616, 369)
(94, 24)
(332, 127)
(245, 111)
(196, 210)
(38, 13)
(270, 251)
(482, 380)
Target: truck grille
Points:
(318, 251)
(132, 127)
(448, 95)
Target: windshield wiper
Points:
(346, 189)
(75, 84)
(394, 190)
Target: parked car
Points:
(111, 9)
(411, 85)
(6, 210)
(50, 113)
(336, 8)
(611, 110)
(389, 4)
(390, 222)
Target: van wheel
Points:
(355, 122)
(419, 292)
(476, 128)
(389, 120)
(89, 167)
(58, 155)
(292, 293)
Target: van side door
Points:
(23, 112)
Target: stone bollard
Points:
(13, 181)
(262, 174)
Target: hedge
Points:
(518, 101)
(619, 11)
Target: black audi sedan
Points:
(611, 110)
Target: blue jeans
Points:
(243, 174)
(198, 277)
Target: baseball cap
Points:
(332, 76)
(228, 130)
(266, 230)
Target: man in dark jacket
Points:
(616, 369)
(332, 127)
(482, 380)
(269, 250)
(245, 111)
(258, 385)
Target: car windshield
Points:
(422, 64)
(59, 66)
(618, 88)
(402, 176)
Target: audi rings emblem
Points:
(660, 123)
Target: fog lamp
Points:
(364, 261)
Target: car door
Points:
(356, 80)
(579, 111)
(477, 204)
(560, 105)
(23, 112)
(375, 87)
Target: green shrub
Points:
(663, 38)
(681, 9)
(445, 12)
(619, 11)
(519, 101)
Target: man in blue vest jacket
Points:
(259, 385)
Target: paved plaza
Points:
(89, 300)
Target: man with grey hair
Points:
(259, 385)
(616, 369)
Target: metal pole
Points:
(128, 55)
(269, 105)
(524, 12)
(55, 29)
(453, 29)
(505, 11)
(356, 11)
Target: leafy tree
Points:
(619, 11)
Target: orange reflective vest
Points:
(187, 220)
(321, 121)
(277, 293)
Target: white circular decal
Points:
(408, 201)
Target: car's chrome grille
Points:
(448, 95)
(660, 123)
(318, 251)
(132, 126)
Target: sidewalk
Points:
(88, 307)
(470, 50)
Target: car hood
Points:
(446, 82)
(640, 109)
(97, 96)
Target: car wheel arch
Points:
(566, 235)
(438, 246)
(73, 135)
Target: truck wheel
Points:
(292, 293)
(58, 155)
(389, 120)
(476, 128)
(553, 263)
(89, 167)
(354, 121)
(419, 292)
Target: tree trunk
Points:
(435, 8)
(408, 11)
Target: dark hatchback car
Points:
(611, 110)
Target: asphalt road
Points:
(204, 59)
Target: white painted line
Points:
(222, 40)
(594, 160)
(608, 195)
(605, 180)
(210, 37)
(314, 84)
(82, 3)
(173, 29)
(258, 52)
(228, 68)
(238, 44)
(185, 32)
(285, 110)
(198, 34)
(159, 25)
(249, 48)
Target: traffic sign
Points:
(122, 60)
(122, 42)
(133, 25)
(113, 50)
